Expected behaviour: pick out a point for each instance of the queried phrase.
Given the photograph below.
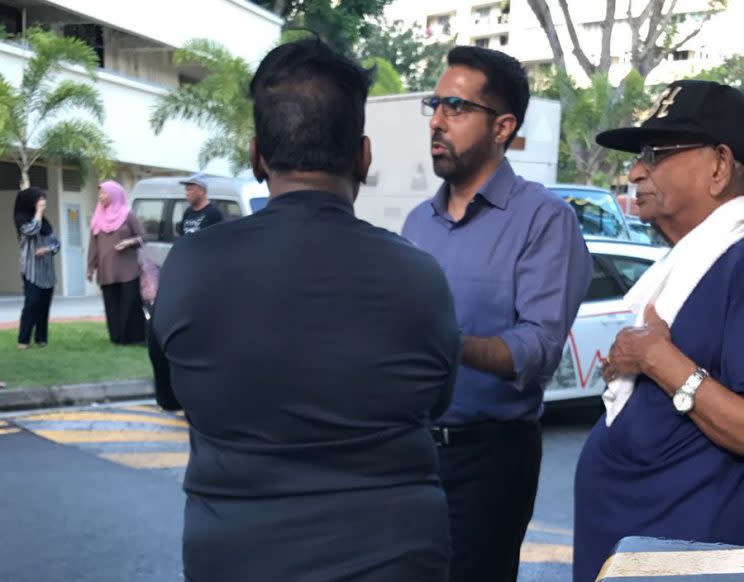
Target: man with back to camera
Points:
(201, 213)
(310, 368)
(518, 268)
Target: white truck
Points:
(401, 175)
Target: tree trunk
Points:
(542, 13)
(23, 166)
(25, 182)
(279, 6)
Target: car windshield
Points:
(597, 211)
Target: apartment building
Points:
(511, 26)
(135, 42)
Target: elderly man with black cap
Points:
(201, 212)
(667, 459)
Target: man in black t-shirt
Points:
(201, 212)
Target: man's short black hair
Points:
(506, 81)
(308, 103)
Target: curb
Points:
(73, 394)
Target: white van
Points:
(159, 203)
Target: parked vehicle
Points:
(644, 233)
(617, 265)
(597, 209)
(159, 203)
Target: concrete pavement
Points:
(62, 308)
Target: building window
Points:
(90, 34)
(10, 19)
(503, 39)
(682, 55)
(439, 24)
(481, 42)
(497, 12)
(10, 176)
(72, 181)
(481, 15)
(186, 79)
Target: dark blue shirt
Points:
(518, 269)
(654, 472)
(309, 349)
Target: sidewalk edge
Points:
(73, 394)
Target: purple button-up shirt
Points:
(518, 269)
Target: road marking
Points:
(4, 431)
(104, 436)
(141, 408)
(544, 528)
(106, 417)
(697, 562)
(556, 553)
(149, 460)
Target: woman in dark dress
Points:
(671, 462)
(38, 247)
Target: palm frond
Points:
(186, 102)
(232, 147)
(50, 51)
(12, 119)
(76, 139)
(70, 94)
(216, 146)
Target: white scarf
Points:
(669, 282)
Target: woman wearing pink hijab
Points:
(116, 234)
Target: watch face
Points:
(682, 401)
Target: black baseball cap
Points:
(702, 111)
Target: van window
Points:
(230, 209)
(259, 203)
(150, 214)
(179, 207)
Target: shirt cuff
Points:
(523, 356)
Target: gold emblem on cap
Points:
(664, 102)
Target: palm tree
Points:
(32, 127)
(220, 102)
(585, 111)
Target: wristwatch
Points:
(684, 398)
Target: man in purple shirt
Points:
(518, 268)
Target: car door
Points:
(601, 316)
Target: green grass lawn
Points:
(78, 352)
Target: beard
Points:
(454, 167)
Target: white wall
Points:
(127, 105)
(241, 26)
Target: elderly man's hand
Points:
(634, 347)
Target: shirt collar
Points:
(313, 198)
(496, 190)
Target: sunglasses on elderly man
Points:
(651, 156)
(452, 106)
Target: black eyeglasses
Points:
(451, 106)
(651, 156)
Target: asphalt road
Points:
(94, 494)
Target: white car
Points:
(617, 265)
